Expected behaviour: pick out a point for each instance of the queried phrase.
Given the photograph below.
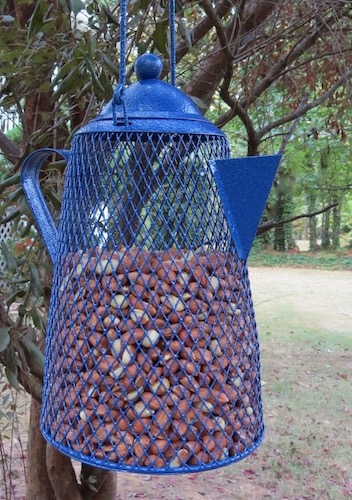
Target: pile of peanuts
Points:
(157, 362)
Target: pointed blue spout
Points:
(244, 185)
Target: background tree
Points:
(257, 68)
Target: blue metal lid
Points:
(151, 105)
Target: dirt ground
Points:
(310, 297)
(302, 297)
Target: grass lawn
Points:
(341, 260)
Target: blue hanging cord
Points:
(172, 42)
(119, 92)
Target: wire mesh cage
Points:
(152, 356)
(153, 363)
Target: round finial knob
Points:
(148, 67)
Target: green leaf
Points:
(17, 293)
(68, 82)
(111, 18)
(34, 356)
(160, 36)
(24, 208)
(66, 68)
(37, 319)
(76, 6)
(36, 285)
(185, 33)
(10, 260)
(27, 228)
(53, 198)
(110, 65)
(44, 87)
(142, 48)
(11, 368)
(12, 378)
(4, 338)
(37, 19)
(10, 181)
(198, 102)
(92, 46)
(14, 196)
(90, 8)
(99, 89)
(11, 216)
(105, 82)
(144, 4)
(22, 310)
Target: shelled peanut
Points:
(158, 363)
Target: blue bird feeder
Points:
(152, 356)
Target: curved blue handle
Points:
(35, 198)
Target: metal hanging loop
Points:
(118, 97)
(119, 93)
(172, 42)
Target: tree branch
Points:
(202, 28)
(215, 20)
(31, 384)
(293, 127)
(9, 148)
(224, 90)
(205, 81)
(302, 110)
(318, 57)
(223, 39)
(275, 71)
(263, 228)
(253, 138)
(305, 42)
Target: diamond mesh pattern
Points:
(152, 355)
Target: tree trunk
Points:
(326, 198)
(38, 485)
(312, 223)
(62, 475)
(279, 239)
(325, 230)
(104, 481)
(336, 224)
(108, 490)
(264, 240)
(279, 233)
(313, 245)
(290, 242)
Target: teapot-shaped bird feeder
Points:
(152, 356)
